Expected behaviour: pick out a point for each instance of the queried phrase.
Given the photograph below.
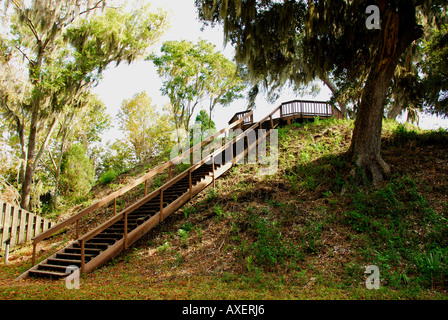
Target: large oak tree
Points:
(305, 40)
(62, 47)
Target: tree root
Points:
(370, 170)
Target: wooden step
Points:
(47, 273)
(52, 267)
(71, 256)
(93, 251)
(64, 262)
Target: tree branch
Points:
(29, 22)
(44, 144)
(96, 6)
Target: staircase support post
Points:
(213, 168)
(77, 229)
(190, 184)
(161, 206)
(83, 257)
(33, 262)
(125, 235)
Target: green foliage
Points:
(435, 67)
(108, 176)
(117, 156)
(193, 72)
(433, 266)
(52, 55)
(146, 129)
(397, 224)
(270, 249)
(164, 247)
(77, 174)
(319, 160)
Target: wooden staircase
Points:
(100, 245)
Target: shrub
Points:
(108, 176)
(270, 249)
(77, 173)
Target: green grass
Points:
(398, 227)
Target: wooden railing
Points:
(306, 108)
(19, 226)
(143, 180)
(242, 115)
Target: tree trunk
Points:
(342, 103)
(397, 35)
(396, 110)
(29, 173)
(366, 141)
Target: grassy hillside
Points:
(306, 232)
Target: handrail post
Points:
(115, 206)
(77, 229)
(161, 206)
(213, 169)
(146, 188)
(33, 262)
(83, 256)
(125, 234)
(170, 175)
(190, 184)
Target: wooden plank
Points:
(2, 215)
(22, 227)
(14, 225)
(6, 224)
(46, 225)
(125, 236)
(161, 206)
(38, 225)
(137, 233)
(30, 227)
(2, 218)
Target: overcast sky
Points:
(125, 81)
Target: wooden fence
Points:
(19, 226)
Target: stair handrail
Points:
(113, 196)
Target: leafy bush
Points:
(77, 173)
(270, 249)
(108, 176)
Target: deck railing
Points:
(306, 108)
(243, 115)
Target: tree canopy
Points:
(304, 40)
(145, 128)
(52, 53)
(193, 73)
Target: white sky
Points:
(124, 81)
